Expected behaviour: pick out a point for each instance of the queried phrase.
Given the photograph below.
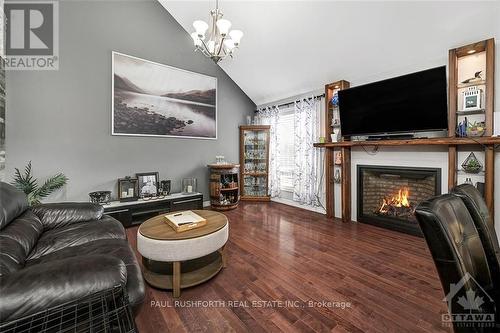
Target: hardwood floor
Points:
(277, 252)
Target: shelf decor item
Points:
(254, 159)
(101, 197)
(338, 158)
(128, 189)
(472, 98)
(472, 164)
(188, 185)
(475, 129)
(148, 184)
(165, 187)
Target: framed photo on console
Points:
(148, 184)
(152, 99)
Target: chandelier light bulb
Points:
(229, 44)
(223, 26)
(200, 27)
(196, 39)
(236, 36)
(211, 46)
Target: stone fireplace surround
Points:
(376, 182)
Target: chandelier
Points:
(217, 43)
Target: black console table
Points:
(135, 212)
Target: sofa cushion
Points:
(56, 215)
(12, 203)
(17, 240)
(77, 234)
(39, 287)
(118, 248)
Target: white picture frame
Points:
(156, 100)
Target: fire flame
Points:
(398, 200)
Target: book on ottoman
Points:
(184, 221)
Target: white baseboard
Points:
(295, 204)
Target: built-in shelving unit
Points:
(482, 53)
(464, 63)
(332, 125)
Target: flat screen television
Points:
(402, 105)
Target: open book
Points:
(186, 220)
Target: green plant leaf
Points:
(29, 185)
(50, 185)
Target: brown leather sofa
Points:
(52, 254)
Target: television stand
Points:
(390, 137)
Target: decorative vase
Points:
(189, 185)
(334, 136)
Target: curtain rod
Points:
(290, 103)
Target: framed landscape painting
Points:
(151, 99)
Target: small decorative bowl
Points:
(475, 132)
(103, 197)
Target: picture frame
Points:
(472, 99)
(148, 184)
(128, 189)
(158, 100)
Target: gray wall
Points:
(61, 119)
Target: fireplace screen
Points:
(388, 196)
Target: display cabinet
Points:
(254, 160)
(224, 186)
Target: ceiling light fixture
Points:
(471, 51)
(221, 42)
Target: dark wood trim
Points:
(346, 184)
(330, 196)
(330, 155)
(489, 182)
(452, 166)
(415, 142)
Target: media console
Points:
(135, 212)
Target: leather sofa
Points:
(460, 259)
(52, 254)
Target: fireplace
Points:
(388, 196)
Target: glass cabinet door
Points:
(255, 166)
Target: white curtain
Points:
(270, 116)
(308, 160)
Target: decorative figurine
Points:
(336, 178)
(477, 77)
(338, 158)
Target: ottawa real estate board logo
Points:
(31, 35)
(469, 305)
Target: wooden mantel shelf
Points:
(490, 140)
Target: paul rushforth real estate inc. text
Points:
(251, 304)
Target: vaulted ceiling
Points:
(293, 47)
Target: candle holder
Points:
(189, 185)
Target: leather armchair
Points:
(459, 257)
(52, 254)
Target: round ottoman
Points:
(175, 260)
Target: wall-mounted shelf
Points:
(470, 112)
(471, 84)
(491, 140)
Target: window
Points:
(285, 132)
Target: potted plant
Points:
(29, 185)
